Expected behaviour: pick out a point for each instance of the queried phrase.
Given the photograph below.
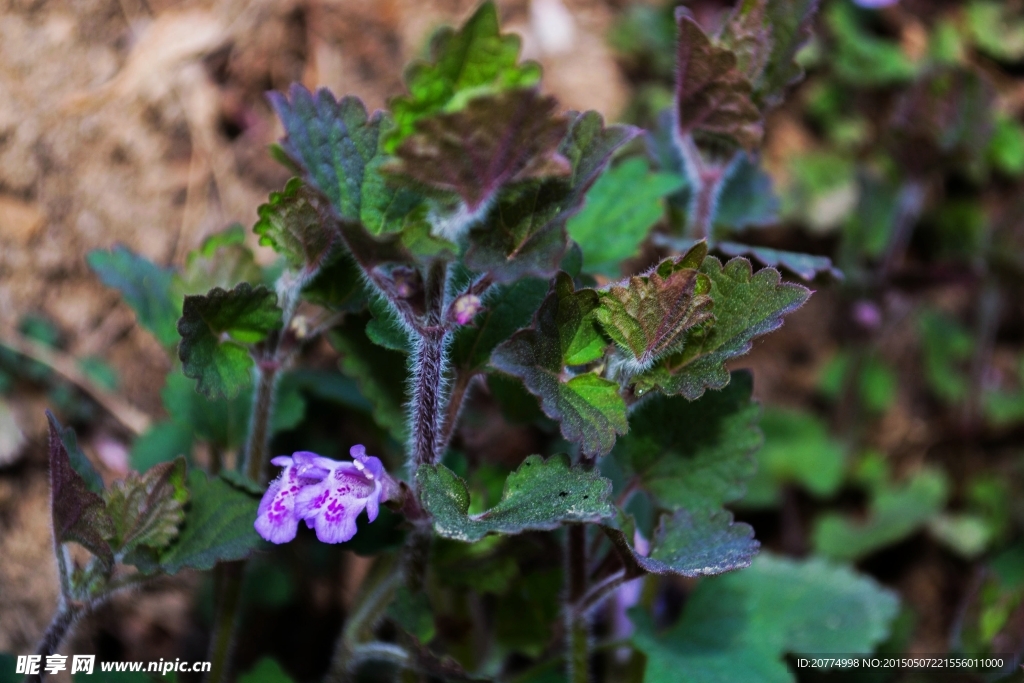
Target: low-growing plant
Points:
(462, 254)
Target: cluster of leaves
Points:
(900, 160)
(466, 249)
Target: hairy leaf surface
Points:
(541, 494)
(147, 509)
(746, 305)
(292, 224)
(712, 96)
(589, 408)
(495, 140)
(702, 543)
(647, 316)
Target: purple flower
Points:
(277, 519)
(875, 4)
(327, 494)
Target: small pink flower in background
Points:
(875, 4)
(466, 307)
(327, 494)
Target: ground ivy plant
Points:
(464, 246)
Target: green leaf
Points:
(524, 234)
(507, 308)
(804, 266)
(620, 209)
(698, 454)
(647, 316)
(218, 527)
(766, 35)
(540, 495)
(222, 260)
(703, 543)
(495, 140)
(337, 147)
(748, 197)
(713, 98)
(736, 628)
(292, 223)
(162, 442)
(589, 408)
(215, 329)
(797, 448)
(473, 61)
(996, 30)
(145, 286)
(380, 373)
(147, 509)
(894, 514)
(746, 305)
(78, 513)
(861, 58)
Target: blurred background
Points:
(894, 401)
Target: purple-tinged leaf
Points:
(476, 60)
(765, 35)
(293, 224)
(78, 514)
(495, 140)
(147, 509)
(524, 234)
(746, 305)
(216, 329)
(712, 97)
(589, 408)
(804, 266)
(648, 315)
(703, 543)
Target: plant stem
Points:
(429, 371)
(707, 180)
(67, 614)
(348, 651)
(258, 445)
(227, 581)
(908, 211)
(576, 626)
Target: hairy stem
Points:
(227, 581)
(576, 626)
(707, 180)
(67, 614)
(599, 592)
(429, 371)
